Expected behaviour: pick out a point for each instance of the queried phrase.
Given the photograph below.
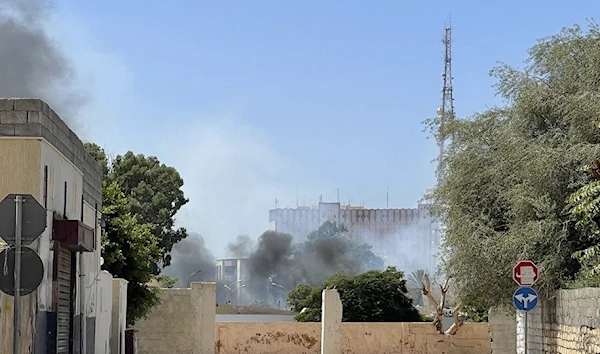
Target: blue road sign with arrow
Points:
(525, 298)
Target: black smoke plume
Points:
(277, 264)
(32, 64)
(191, 261)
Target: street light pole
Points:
(191, 275)
(230, 295)
(282, 288)
(228, 287)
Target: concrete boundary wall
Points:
(184, 323)
(567, 323)
(503, 331)
(356, 338)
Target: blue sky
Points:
(253, 100)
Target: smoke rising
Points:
(273, 255)
(33, 65)
(240, 248)
(277, 260)
(192, 261)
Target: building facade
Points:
(71, 311)
(406, 238)
(233, 275)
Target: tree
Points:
(130, 251)
(508, 172)
(328, 229)
(415, 278)
(585, 208)
(129, 247)
(373, 296)
(441, 306)
(297, 297)
(100, 156)
(414, 283)
(358, 256)
(155, 196)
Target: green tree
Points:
(332, 234)
(129, 247)
(297, 297)
(100, 156)
(585, 204)
(508, 172)
(328, 229)
(130, 251)
(155, 196)
(373, 296)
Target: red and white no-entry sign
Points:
(525, 273)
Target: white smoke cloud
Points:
(232, 176)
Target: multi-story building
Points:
(72, 309)
(233, 275)
(406, 238)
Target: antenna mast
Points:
(446, 110)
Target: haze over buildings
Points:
(406, 238)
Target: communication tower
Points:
(446, 110)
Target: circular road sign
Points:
(32, 271)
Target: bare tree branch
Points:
(457, 321)
(439, 307)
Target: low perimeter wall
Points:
(357, 338)
(184, 323)
(568, 323)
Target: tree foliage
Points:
(509, 171)
(350, 256)
(586, 209)
(130, 251)
(373, 296)
(155, 196)
(133, 242)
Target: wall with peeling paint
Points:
(357, 338)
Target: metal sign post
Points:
(22, 221)
(525, 333)
(17, 298)
(525, 299)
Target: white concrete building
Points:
(233, 274)
(406, 238)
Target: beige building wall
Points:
(22, 158)
(184, 322)
(20, 161)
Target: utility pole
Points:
(387, 198)
(446, 110)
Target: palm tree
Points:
(414, 284)
(415, 279)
